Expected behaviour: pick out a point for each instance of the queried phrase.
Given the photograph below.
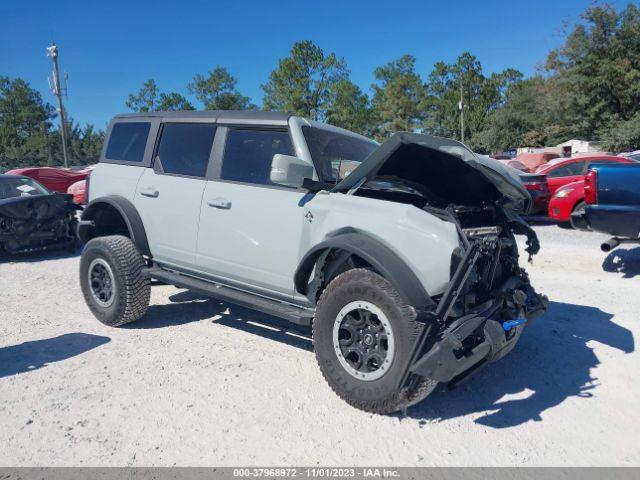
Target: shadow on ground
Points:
(622, 260)
(187, 307)
(29, 356)
(31, 257)
(551, 363)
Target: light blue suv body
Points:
(401, 255)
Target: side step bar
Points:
(298, 315)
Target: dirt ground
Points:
(198, 382)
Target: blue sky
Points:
(109, 48)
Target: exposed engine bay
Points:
(37, 222)
(489, 299)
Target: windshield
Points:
(11, 187)
(336, 154)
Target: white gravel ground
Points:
(197, 382)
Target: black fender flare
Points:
(379, 256)
(129, 214)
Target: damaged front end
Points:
(483, 312)
(38, 222)
(489, 299)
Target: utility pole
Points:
(461, 108)
(52, 52)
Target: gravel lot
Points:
(198, 382)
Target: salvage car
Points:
(54, 179)
(561, 172)
(401, 257)
(32, 218)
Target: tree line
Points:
(588, 88)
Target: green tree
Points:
(597, 70)
(624, 135)
(85, 143)
(481, 95)
(150, 99)
(350, 108)
(520, 121)
(146, 99)
(173, 101)
(217, 91)
(305, 82)
(398, 97)
(25, 122)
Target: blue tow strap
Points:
(509, 324)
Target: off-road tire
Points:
(381, 395)
(132, 290)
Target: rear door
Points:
(251, 229)
(168, 196)
(565, 173)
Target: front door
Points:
(251, 229)
(169, 195)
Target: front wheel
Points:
(363, 334)
(112, 282)
(580, 206)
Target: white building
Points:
(567, 149)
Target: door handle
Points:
(149, 192)
(221, 203)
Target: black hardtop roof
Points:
(221, 116)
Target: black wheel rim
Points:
(363, 340)
(101, 282)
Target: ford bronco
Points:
(401, 257)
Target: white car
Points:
(402, 257)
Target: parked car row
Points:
(61, 180)
(556, 184)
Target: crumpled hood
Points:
(446, 168)
(37, 207)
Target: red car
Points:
(54, 179)
(79, 192)
(563, 171)
(568, 191)
(567, 199)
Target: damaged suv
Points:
(401, 257)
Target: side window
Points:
(572, 169)
(128, 141)
(184, 148)
(248, 154)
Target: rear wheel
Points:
(112, 282)
(363, 333)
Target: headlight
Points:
(563, 192)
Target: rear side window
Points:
(570, 170)
(128, 141)
(248, 154)
(184, 148)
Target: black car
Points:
(32, 218)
